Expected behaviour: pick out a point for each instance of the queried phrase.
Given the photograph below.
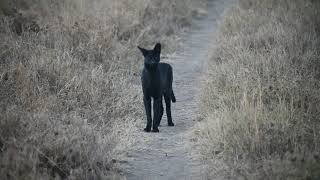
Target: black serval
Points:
(156, 81)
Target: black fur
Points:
(156, 81)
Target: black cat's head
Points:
(151, 57)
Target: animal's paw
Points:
(147, 130)
(170, 124)
(155, 130)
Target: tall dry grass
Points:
(70, 93)
(261, 98)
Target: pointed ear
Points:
(143, 51)
(157, 48)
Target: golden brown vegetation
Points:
(68, 91)
(261, 97)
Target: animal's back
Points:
(165, 69)
(166, 76)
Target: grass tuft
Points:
(68, 71)
(261, 95)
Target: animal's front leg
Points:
(147, 106)
(156, 114)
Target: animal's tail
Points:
(173, 98)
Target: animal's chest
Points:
(151, 84)
(154, 86)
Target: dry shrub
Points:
(68, 100)
(261, 97)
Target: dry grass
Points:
(261, 98)
(68, 94)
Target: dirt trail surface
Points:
(170, 155)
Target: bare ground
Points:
(171, 154)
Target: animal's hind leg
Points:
(161, 112)
(167, 98)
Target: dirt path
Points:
(170, 153)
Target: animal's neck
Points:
(151, 71)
